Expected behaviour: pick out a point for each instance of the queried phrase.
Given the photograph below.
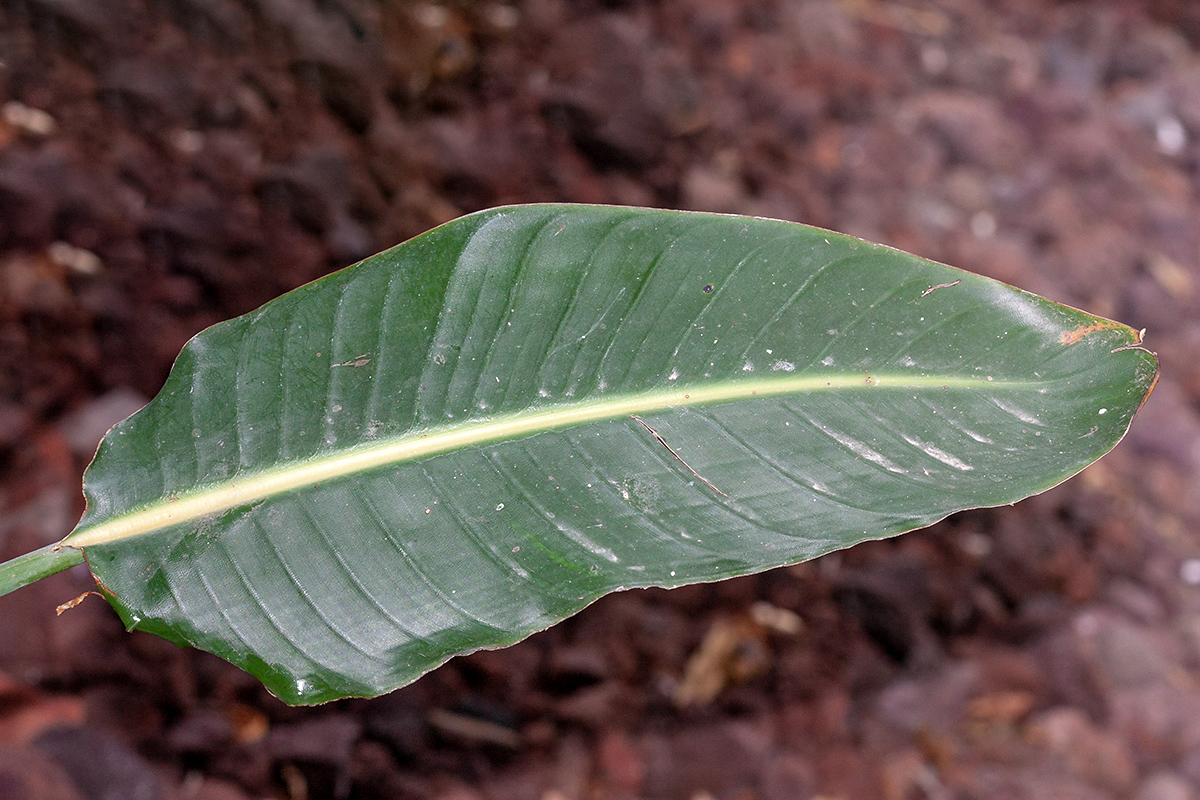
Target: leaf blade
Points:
(481, 383)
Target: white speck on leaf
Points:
(862, 450)
(939, 454)
(1019, 413)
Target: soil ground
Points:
(165, 164)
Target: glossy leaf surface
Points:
(466, 438)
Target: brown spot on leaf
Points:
(1075, 336)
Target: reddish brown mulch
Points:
(165, 164)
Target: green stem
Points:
(24, 570)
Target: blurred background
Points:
(166, 164)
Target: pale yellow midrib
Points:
(297, 475)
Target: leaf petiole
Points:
(24, 570)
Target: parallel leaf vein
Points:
(416, 568)
(351, 575)
(468, 528)
(313, 605)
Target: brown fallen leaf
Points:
(734, 650)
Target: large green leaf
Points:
(466, 438)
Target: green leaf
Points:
(462, 440)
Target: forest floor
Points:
(166, 164)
